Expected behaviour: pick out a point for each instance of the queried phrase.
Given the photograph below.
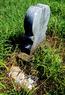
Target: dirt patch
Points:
(25, 62)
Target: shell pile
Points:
(21, 78)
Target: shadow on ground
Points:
(20, 41)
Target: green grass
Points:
(47, 61)
(12, 14)
(50, 70)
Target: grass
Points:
(12, 19)
(50, 70)
(48, 60)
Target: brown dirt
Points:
(24, 61)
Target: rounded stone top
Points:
(35, 23)
(36, 18)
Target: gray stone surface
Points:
(38, 17)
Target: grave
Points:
(35, 25)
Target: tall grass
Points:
(50, 71)
(12, 14)
(47, 61)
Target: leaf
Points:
(3, 94)
(2, 64)
(2, 85)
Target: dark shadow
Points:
(28, 23)
(22, 41)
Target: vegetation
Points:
(48, 59)
(50, 69)
(12, 19)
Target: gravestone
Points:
(35, 25)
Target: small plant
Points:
(50, 70)
(2, 75)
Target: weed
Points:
(12, 20)
(50, 70)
